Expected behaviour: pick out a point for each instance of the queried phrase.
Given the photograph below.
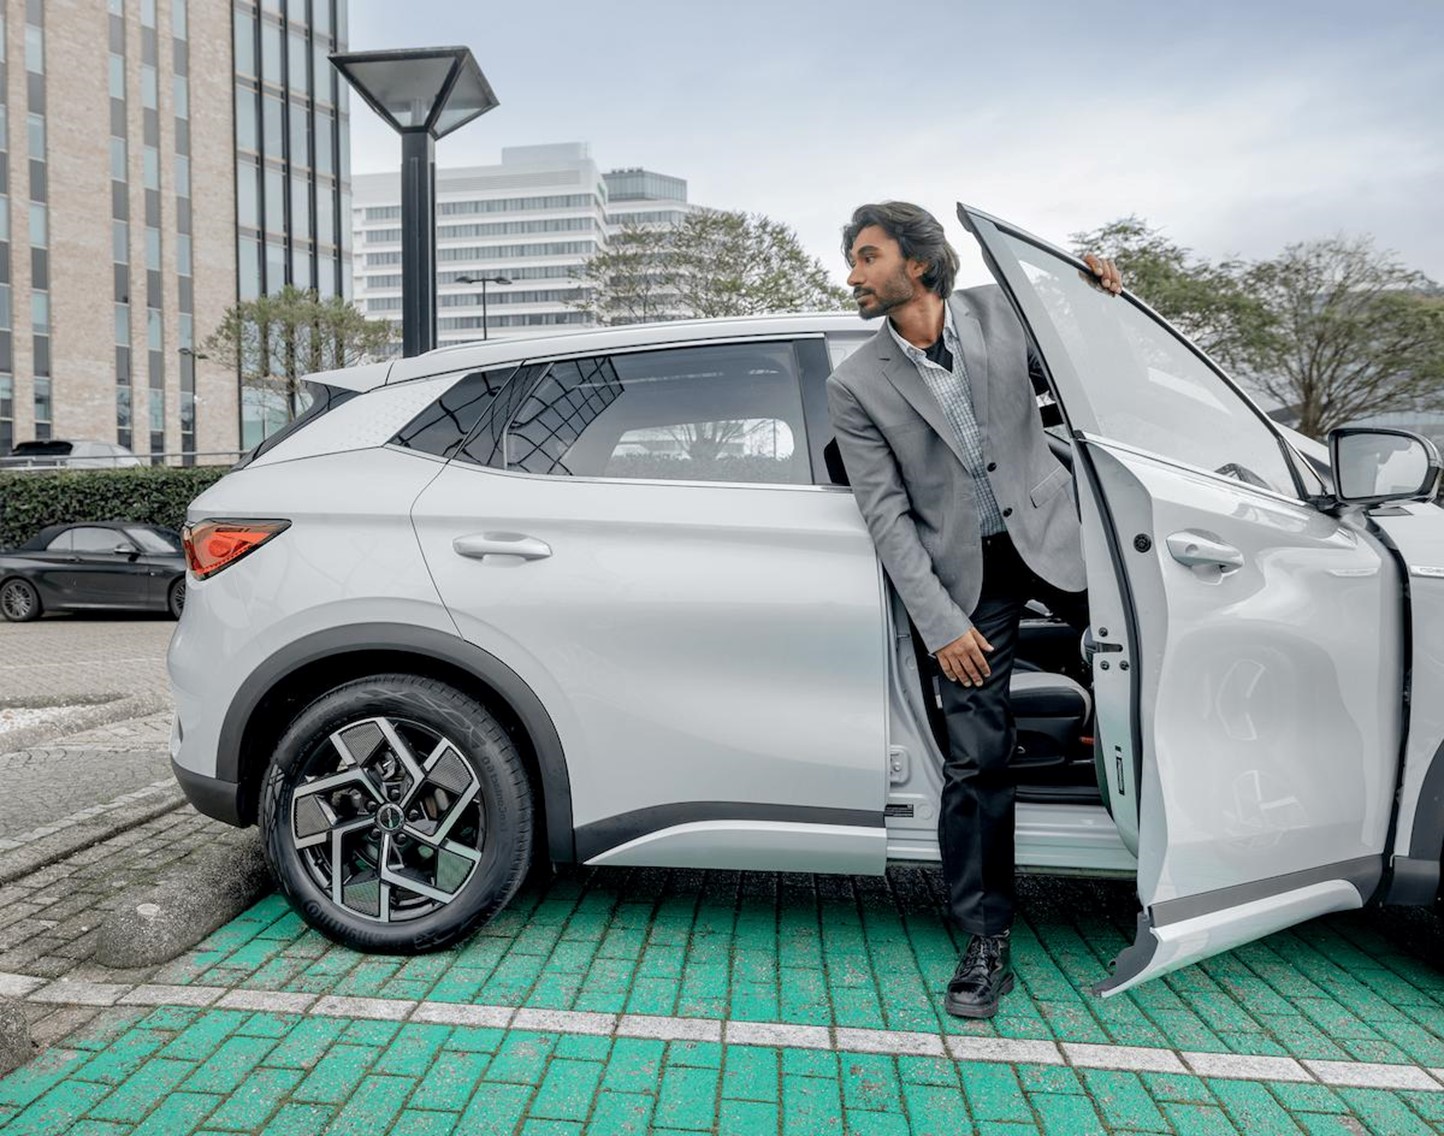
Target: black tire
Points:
(175, 597)
(19, 601)
(494, 823)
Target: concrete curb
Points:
(198, 894)
(85, 831)
(15, 1044)
(99, 710)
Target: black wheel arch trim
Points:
(427, 642)
(603, 835)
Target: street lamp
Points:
(424, 94)
(483, 281)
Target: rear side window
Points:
(315, 399)
(715, 412)
(96, 540)
(443, 426)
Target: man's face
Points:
(882, 280)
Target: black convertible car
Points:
(85, 566)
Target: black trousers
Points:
(977, 817)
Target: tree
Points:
(1351, 333)
(711, 263)
(275, 341)
(1209, 303)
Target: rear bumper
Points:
(210, 795)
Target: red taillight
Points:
(213, 545)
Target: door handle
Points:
(478, 545)
(1198, 551)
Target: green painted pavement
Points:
(435, 1080)
(874, 953)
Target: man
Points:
(938, 427)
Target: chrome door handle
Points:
(1198, 551)
(478, 545)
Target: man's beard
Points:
(894, 294)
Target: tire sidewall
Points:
(506, 800)
(177, 586)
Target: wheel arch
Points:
(274, 692)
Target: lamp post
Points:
(483, 281)
(423, 94)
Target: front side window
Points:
(724, 412)
(1145, 386)
(97, 540)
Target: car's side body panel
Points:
(696, 643)
(349, 557)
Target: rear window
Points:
(42, 448)
(316, 399)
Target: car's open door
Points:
(1247, 657)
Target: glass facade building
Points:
(202, 158)
(293, 164)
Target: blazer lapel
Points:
(901, 372)
(975, 360)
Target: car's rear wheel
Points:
(397, 815)
(19, 601)
(175, 597)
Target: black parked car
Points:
(94, 565)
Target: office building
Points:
(533, 220)
(161, 159)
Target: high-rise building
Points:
(532, 220)
(161, 158)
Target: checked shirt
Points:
(955, 396)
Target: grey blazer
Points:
(907, 472)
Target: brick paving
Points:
(631, 1000)
(68, 658)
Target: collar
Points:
(917, 354)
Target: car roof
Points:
(50, 532)
(494, 352)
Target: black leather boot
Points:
(984, 975)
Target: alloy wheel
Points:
(17, 601)
(388, 819)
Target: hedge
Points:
(151, 495)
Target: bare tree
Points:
(711, 263)
(274, 341)
(1351, 333)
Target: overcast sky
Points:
(1236, 127)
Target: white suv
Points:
(604, 598)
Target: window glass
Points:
(246, 118)
(117, 159)
(155, 540)
(65, 542)
(730, 412)
(300, 137)
(96, 540)
(117, 77)
(245, 38)
(1145, 386)
(271, 52)
(442, 427)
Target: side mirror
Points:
(126, 550)
(1376, 465)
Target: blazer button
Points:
(1007, 512)
(992, 466)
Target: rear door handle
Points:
(478, 545)
(1199, 551)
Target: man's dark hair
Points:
(918, 235)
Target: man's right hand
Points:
(963, 659)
